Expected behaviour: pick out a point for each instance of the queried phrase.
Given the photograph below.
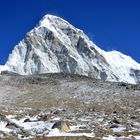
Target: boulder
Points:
(62, 126)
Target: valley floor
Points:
(68, 107)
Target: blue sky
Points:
(111, 24)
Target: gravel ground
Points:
(90, 105)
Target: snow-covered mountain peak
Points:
(55, 21)
(55, 45)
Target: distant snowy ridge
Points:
(4, 68)
(55, 45)
(123, 66)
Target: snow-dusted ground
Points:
(30, 105)
(34, 127)
(121, 138)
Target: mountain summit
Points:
(55, 46)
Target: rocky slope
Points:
(54, 46)
(62, 106)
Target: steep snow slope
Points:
(54, 45)
(123, 66)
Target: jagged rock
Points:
(12, 125)
(57, 112)
(2, 134)
(114, 126)
(45, 117)
(136, 74)
(62, 126)
(27, 120)
(3, 118)
(116, 121)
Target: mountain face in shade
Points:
(55, 46)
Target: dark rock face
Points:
(27, 120)
(11, 125)
(136, 74)
(103, 75)
(3, 118)
(9, 73)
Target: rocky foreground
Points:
(68, 107)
